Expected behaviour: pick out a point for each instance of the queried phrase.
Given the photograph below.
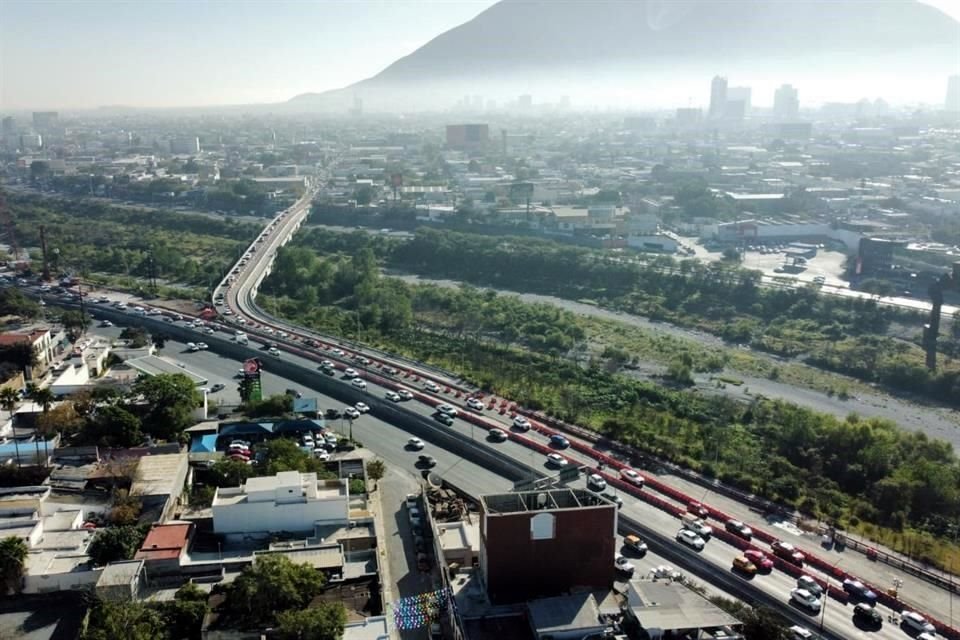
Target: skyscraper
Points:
(953, 94)
(740, 94)
(718, 96)
(786, 104)
(45, 120)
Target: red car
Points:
(699, 509)
(788, 552)
(759, 559)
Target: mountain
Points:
(586, 47)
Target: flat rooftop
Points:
(545, 500)
(564, 614)
(663, 604)
(327, 557)
(158, 474)
(155, 365)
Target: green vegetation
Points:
(848, 471)
(281, 454)
(275, 590)
(116, 543)
(13, 555)
(14, 303)
(174, 620)
(128, 245)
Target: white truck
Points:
(240, 337)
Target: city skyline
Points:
(204, 55)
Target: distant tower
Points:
(953, 94)
(718, 96)
(786, 104)
(741, 95)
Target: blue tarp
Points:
(206, 443)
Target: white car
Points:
(351, 413)
(596, 482)
(274, 352)
(431, 386)
(308, 440)
(321, 454)
(191, 346)
(796, 632)
(415, 444)
(358, 383)
(202, 346)
(690, 539)
(362, 408)
(474, 404)
(405, 394)
(805, 599)
(556, 460)
(448, 410)
(623, 565)
(392, 396)
(632, 477)
(350, 373)
(521, 423)
(916, 622)
(338, 353)
(811, 585)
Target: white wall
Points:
(60, 581)
(252, 517)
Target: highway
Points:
(387, 440)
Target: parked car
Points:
(631, 476)
(788, 552)
(859, 592)
(623, 565)
(690, 539)
(867, 615)
(739, 529)
(805, 599)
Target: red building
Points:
(540, 544)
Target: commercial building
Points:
(786, 103)
(45, 120)
(738, 102)
(289, 501)
(546, 543)
(185, 145)
(718, 97)
(468, 137)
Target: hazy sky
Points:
(79, 53)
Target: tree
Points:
(41, 396)
(60, 419)
(273, 583)
(127, 620)
(13, 555)
(115, 543)
(171, 399)
(20, 354)
(230, 473)
(9, 399)
(75, 322)
(112, 426)
(137, 336)
(323, 622)
(376, 469)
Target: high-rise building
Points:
(688, 116)
(953, 94)
(9, 126)
(185, 145)
(718, 96)
(468, 137)
(742, 95)
(45, 120)
(786, 104)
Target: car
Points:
(623, 565)
(913, 621)
(358, 383)
(332, 414)
(443, 418)
(330, 371)
(805, 599)
(635, 544)
(330, 438)
(497, 435)
(218, 387)
(321, 454)
(192, 347)
(559, 441)
(760, 559)
(811, 585)
(699, 509)
(556, 460)
(859, 592)
(664, 571)
(351, 413)
(867, 615)
(926, 636)
(294, 393)
(596, 482)
(415, 443)
(202, 346)
(475, 404)
(273, 351)
(350, 373)
(448, 409)
(743, 564)
(796, 632)
(690, 539)
(307, 440)
(788, 552)
(338, 352)
(521, 423)
(392, 396)
(106, 323)
(631, 476)
(431, 386)
(737, 528)
(390, 371)
(427, 461)
(362, 407)
(326, 364)
(405, 394)
(614, 498)
(697, 525)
